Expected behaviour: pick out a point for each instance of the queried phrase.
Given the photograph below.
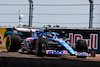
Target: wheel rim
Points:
(8, 44)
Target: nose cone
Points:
(63, 43)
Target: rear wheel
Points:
(13, 43)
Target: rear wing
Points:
(26, 30)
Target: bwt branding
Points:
(92, 41)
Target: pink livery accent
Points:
(27, 42)
(31, 39)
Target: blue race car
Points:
(44, 42)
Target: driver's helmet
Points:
(50, 35)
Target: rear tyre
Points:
(13, 43)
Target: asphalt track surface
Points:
(15, 59)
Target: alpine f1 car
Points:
(44, 42)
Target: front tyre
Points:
(81, 46)
(41, 46)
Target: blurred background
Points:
(64, 13)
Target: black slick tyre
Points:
(41, 46)
(13, 43)
(81, 46)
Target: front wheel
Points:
(41, 46)
(81, 46)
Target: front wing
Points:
(65, 52)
